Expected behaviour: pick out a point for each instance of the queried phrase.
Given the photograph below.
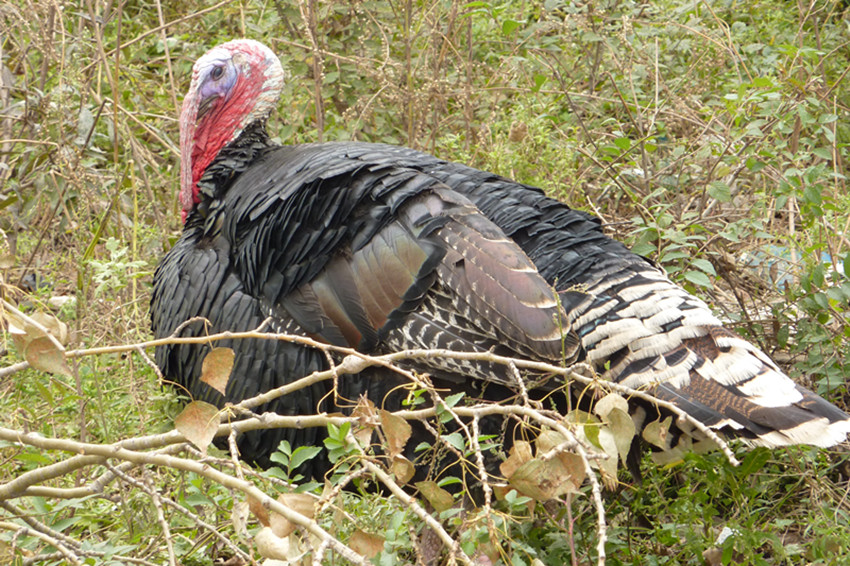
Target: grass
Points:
(711, 137)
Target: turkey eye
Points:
(217, 73)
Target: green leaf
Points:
(284, 447)
(591, 431)
(704, 265)
(33, 458)
(302, 454)
(672, 256)
(509, 26)
(836, 294)
(305, 487)
(720, 191)
(7, 200)
(63, 524)
(753, 462)
(811, 194)
(456, 440)
(818, 275)
(197, 498)
(453, 400)
(279, 458)
(782, 336)
(697, 278)
(828, 134)
(539, 80)
(623, 143)
(824, 152)
(277, 473)
(647, 249)
(754, 165)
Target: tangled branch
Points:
(127, 461)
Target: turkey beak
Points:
(205, 106)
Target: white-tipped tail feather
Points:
(655, 337)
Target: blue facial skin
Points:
(217, 83)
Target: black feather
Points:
(380, 247)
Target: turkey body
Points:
(381, 248)
(226, 267)
(358, 246)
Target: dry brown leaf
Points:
(366, 414)
(259, 511)
(239, 518)
(713, 556)
(439, 498)
(280, 525)
(24, 331)
(623, 428)
(573, 471)
(298, 502)
(520, 454)
(614, 409)
(501, 490)
(269, 545)
(53, 325)
(549, 440)
(608, 466)
(7, 258)
(20, 329)
(402, 469)
(396, 431)
(19, 335)
(198, 422)
(365, 544)
(216, 369)
(533, 479)
(572, 465)
(609, 402)
(302, 503)
(656, 432)
(43, 354)
(546, 479)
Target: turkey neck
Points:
(231, 161)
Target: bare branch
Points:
(165, 460)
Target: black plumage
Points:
(380, 248)
(376, 255)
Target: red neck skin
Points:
(220, 124)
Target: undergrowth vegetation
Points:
(710, 136)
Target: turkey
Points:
(382, 248)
